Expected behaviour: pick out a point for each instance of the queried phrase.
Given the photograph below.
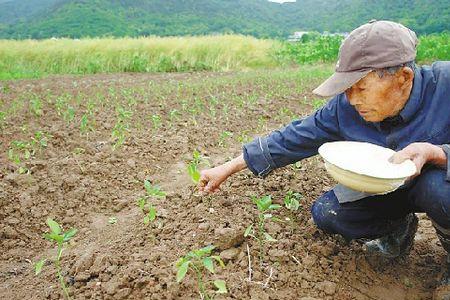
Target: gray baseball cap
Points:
(375, 45)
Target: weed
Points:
(197, 261)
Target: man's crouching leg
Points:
(431, 194)
(386, 227)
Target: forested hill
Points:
(83, 18)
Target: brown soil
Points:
(129, 260)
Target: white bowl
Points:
(365, 167)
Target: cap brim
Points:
(339, 82)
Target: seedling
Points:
(197, 261)
(69, 114)
(193, 165)
(36, 106)
(61, 238)
(85, 126)
(156, 121)
(223, 136)
(2, 119)
(243, 137)
(292, 203)
(265, 209)
(112, 220)
(147, 208)
(121, 127)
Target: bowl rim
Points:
(408, 161)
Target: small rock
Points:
(229, 254)
(83, 277)
(85, 262)
(131, 163)
(277, 253)
(25, 200)
(309, 260)
(328, 287)
(203, 226)
(229, 237)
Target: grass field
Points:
(36, 59)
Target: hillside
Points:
(81, 18)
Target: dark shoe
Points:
(442, 291)
(397, 243)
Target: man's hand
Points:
(211, 179)
(420, 154)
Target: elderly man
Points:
(379, 96)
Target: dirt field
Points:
(79, 180)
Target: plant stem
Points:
(58, 271)
(201, 287)
(261, 238)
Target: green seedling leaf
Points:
(193, 172)
(248, 230)
(269, 238)
(146, 219)
(69, 234)
(54, 237)
(274, 206)
(221, 286)
(141, 203)
(54, 226)
(182, 270)
(112, 220)
(152, 213)
(208, 263)
(204, 251)
(219, 260)
(148, 186)
(38, 266)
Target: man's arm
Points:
(298, 140)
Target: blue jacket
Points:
(425, 118)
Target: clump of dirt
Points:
(80, 181)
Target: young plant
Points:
(61, 238)
(265, 209)
(85, 126)
(69, 114)
(121, 127)
(2, 119)
(147, 208)
(193, 165)
(198, 261)
(156, 121)
(292, 203)
(223, 137)
(36, 106)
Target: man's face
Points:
(377, 98)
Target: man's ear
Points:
(406, 76)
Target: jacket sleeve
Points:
(446, 149)
(298, 140)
